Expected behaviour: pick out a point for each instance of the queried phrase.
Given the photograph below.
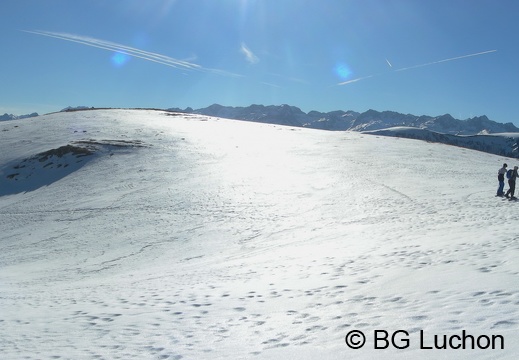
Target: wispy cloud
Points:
(131, 51)
(249, 55)
(271, 85)
(417, 66)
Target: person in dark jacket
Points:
(511, 183)
(501, 179)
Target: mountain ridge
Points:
(340, 120)
(336, 120)
(7, 117)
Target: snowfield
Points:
(141, 234)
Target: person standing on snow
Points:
(501, 179)
(511, 183)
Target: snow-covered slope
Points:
(131, 234)
(504, 144)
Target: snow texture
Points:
(134, 234)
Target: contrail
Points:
(131, 51)
(417, 66)
(357, 79)
(389, 63)
(445, 60)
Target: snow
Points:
(504, 144)
(190, 237)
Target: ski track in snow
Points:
(226, 239)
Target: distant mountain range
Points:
(354, 121)
(6, 116)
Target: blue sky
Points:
(412, 56)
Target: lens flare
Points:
(119, 59)
(343, 71)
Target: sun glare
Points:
(119, 59)
(342, 70)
